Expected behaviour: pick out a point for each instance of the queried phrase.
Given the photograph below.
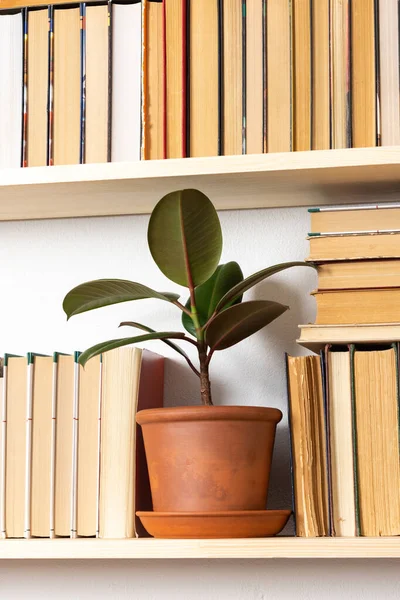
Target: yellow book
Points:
(67, 86)
(254, 77)
(233, 78)
(41, 451)
(302, 74)
(321, 134)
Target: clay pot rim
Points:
(208, 413)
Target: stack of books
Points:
(344, 403)
(71, 456)
(117, 81)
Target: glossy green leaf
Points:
(185, 237)
(249, 282)
(209, 293)
(240, 321)
(149, 330)
(118, 343)
(104, 292)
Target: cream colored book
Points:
(321, 131)
(340, 73)
(254, 77)
(97, 84)
(279, 75)
(302, 76)
(38, 50)
(315, 337)
(203, 80)
(154, 124)
(67, 86)
(339, 407)
(377, 434)
(389, 72)
(88, 449)
(65, 398)
(120, 389)
(15, 374)
(232, 109)
(41, 484)
(2, 453)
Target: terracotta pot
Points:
(209, 458)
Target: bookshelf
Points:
(280, 547)
(232, 182)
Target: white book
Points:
(3, 457)
(126, 81)
(11, 67)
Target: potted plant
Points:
(204, 458)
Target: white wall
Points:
(41, 261)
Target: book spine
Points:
(289, 412)
(53, 448)
(24, 160)
(325, 384)
(28, 455)
(143, 144)
(50, 93)
(98, 454)
(164, 68)
(185, 62)
(3, 453)
(109, 91)
(75, 424)
(354, 425)
(82, 18)
(244, 78)
(264, 76)
(220, 74)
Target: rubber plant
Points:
(185, 241)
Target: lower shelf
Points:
(280, 547)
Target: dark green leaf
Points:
(209, 293)
(240, 321)
(149, 330)
(185, 237)
(104, 292)
(249, 282)
(111, 344)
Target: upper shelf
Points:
(314, 178)
(279, 547)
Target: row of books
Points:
(344, 422)
(71, 456)
(344, 403)
(152, 80)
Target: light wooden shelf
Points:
(280, 547)
(232, 182)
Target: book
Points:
(126, 91)
(375, 399)
(302, 75)
(97, 81)
(254, 84)
(355, 218)
(358, 246)
(358, 274)
(348, 307)
(309, 450)
(321, 134)
(340, 440)
(37, 87)
(2, 453)
(15, 383)
(88, 448)
(41, 450)
(363, 79)
(340, 73)
(204, 84)
(154, 126)
(11, 79)
(315, 337)
(176, 50)
(389, 97)
(121, 461)
(232, 96)
(67, 86)
(278, 48)
(65, 397)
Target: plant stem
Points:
(205, 386)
